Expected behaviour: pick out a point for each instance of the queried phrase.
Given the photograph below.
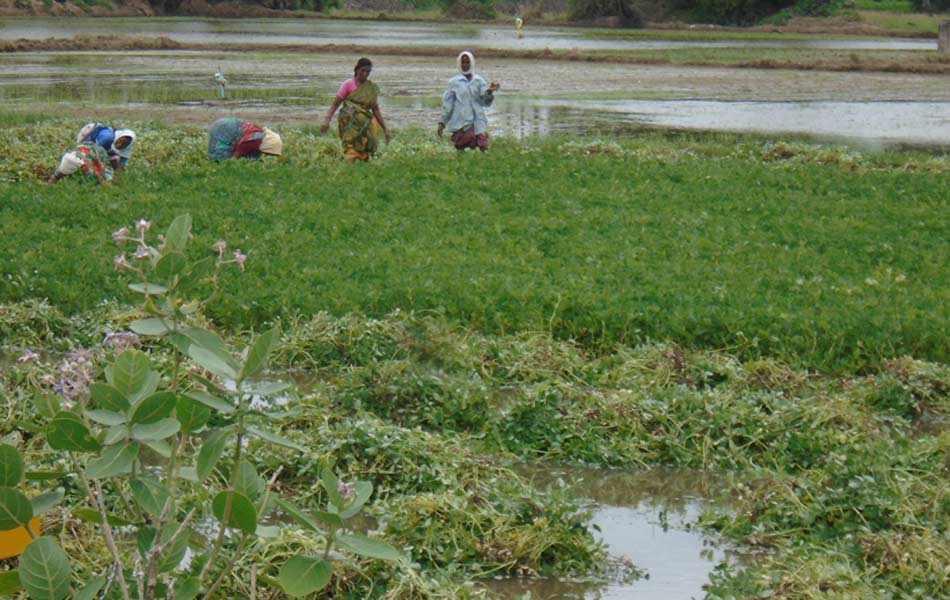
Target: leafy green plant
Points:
(134, 440)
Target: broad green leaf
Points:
(211, 361)
(365, 546)
(11, 466)
(130, 373)
(148, 289)
(46, 405)
(171, 557)
(152, 380)
(114, 460)
(177, 235)
(150, 493)
(303, 575)
(243, 514)
(44, 570)
(298, 515)
(67, 432)
(199, 271)
(91, 515)
(15, 509)
(154, 408)
(328, 518)
(211, 342)
(115, 434)
(160, 447)
(144, 538)
(211, 452)
(9, 583)
(43, 502)
(106, 417)
(332, 487)
(187, 589)
(169, 265)
(259, 351)
(248, 482)
(108, 397)
(267, 388)
(362, 490)
(152, 326)
(159, 430)
(189, 474)
(275, 439)
(191, 414)
(92, 587)
(210, 401)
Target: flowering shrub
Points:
(190, 415)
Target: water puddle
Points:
(643, 516)
(394, 33)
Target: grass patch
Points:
(901, 21)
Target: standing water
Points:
(645, 517)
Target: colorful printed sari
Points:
(95, 162)
(359, 129)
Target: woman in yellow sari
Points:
(360, 119)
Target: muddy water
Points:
(643, 516)
(377, 33)
(536, 98)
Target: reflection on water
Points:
(383, 33)
(645, 516)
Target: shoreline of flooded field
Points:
(867, 109)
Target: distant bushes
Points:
(931, 5)
(621, 11)
(748, 12)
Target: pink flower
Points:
(142, 225)
(143, 251)
(219, 247)
(121, 262)
(240, 258)
(120, 235)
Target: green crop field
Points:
(770, 313)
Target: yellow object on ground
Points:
(13, 541)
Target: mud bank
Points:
(930, 64)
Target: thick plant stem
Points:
(226, 513)
(157, 547)
(96, 498)
(227, 569)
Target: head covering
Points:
(271, 143)
(70, 162)
(471, 61)
(127, 151)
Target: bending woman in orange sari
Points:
(360, 119)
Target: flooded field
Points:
(382, 33)
(645, 517)
(537, 98)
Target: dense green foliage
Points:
(931, 5)
(623, 11)
(841, 480)
(753, 247)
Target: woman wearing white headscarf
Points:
(463, 106)
(116, 142)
